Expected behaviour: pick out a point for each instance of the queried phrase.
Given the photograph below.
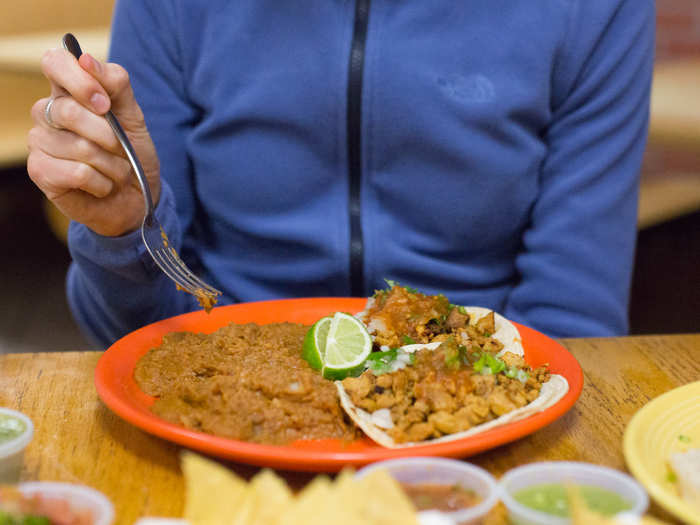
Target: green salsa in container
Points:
(11, 427)
(16, 431)
(552, 499)
(538, 493)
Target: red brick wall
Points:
(677, 29)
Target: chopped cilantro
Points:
(480, 363)
(384, 357)
(455, 355)
(461, 309)
(439, 321)
(684, 439)
(379, 364)
(488, 364)
(671, 476)
(14, 519)
(497, 365)
(391, 283)
(452, 360)
(383, 362)
(378, 367)
(408, 340)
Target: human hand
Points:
(76, 159)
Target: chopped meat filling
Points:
(442, 394)
(400, 316)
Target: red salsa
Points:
(436, 496)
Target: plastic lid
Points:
(18, 443)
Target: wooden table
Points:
(79, 440)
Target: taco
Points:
(442, 372)
(402, 317)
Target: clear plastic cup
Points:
(78, 497)
(443, 471)
(12, 451)
(566, 472)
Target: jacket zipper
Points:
(354, 120)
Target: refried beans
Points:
(246, 382)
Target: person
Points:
(489, 151)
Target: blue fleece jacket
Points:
(488, 150)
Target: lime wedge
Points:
(315, 343)
(348, 345)
(338, 346)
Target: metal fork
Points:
(152, 232)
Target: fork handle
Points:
(71, 44)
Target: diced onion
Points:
(404, 357)
(382, 418)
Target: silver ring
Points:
(47, 113)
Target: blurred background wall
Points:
(666, 286)
(34, 258)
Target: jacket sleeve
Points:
(113, 286)
(577, 253)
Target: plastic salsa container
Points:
(16, 431)
(78, 500)
(430, 471)
(543, 484)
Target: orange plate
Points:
(117, 388)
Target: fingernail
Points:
(94, 63)
(99, 102)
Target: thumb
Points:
(115, 80)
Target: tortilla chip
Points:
(582, 515)
(216, 496)
(267, 500)
(383, 500)
(313, 505)
(349, 497)
(211, 490)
